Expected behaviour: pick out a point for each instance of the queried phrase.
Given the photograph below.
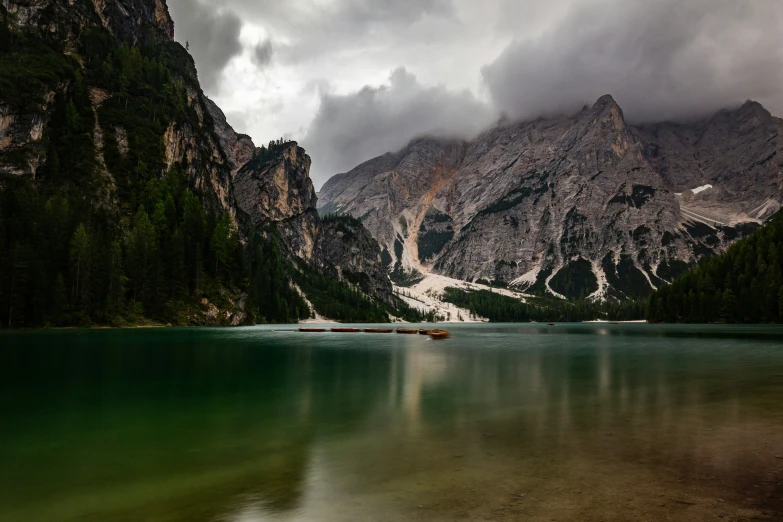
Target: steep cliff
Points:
(134, 22)
(578, 206)
(348, 251)
(116, 66)
(277, 191)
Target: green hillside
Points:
(743, 285)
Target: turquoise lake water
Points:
(501, 422)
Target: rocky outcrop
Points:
(393, 193)
(347, 250)
(195, 147)
(192, 140)
(277, 191)
(21, 148)
(525, 201)
(239, 148)
(737, 153)
(136, 22)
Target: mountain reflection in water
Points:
(570, 422)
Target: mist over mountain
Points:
(352, 79)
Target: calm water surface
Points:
(512, 422)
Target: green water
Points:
(512, 422)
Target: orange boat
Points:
(346, 330)
(406, 331)
(439, 335)
(424, 332)
(312, 330)
(378, 330)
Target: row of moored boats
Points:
(434, 334)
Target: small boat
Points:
(439, 335)
(424, 332)
(346, 330)
(551, 324)
(312, 330)
(378, 330)
(406, 331)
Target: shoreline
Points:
(604, 321)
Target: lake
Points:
(581, 422)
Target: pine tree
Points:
(80, 266)
(193, 234)
(115, 302)
(176, 262)
(780, 302)
(729, 306)
(142, 256)
(220, 246)
(58, 303)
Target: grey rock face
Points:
(392, 194)
(348, 251)
(525, 200)
(239, 148)
(21, 134)
(279, 192)
(737, 152)
(137, 22)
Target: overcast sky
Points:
(353, 79)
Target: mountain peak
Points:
(754, 107)
(606, 108)
(605, 101)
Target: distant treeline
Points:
(504, 309)
(743, 285)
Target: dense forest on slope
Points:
(743, 285)
(78, 247)
(500, 308)
(336, 300)
(107, 231)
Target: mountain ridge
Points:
(545, 194)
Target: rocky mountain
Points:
(579, 206)
(347, 251)
(278, 192)
(86, 29)
(134, 22)
(124, 188)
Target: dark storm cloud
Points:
(662, 59)
(213, 35)
(349, 129)
(401, 11)
(263, 53)
(345, 13)
(313, 29)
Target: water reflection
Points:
(248, 425)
